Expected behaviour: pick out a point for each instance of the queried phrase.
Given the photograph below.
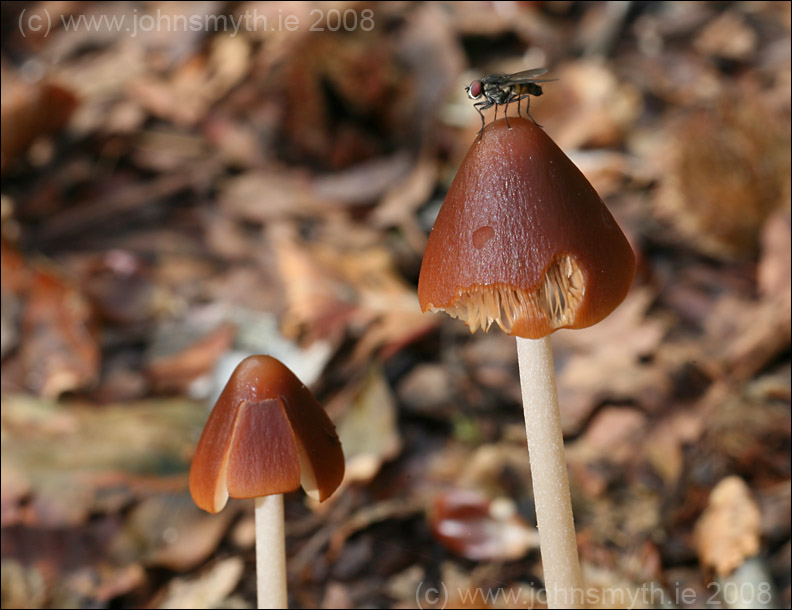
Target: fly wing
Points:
(529, 76)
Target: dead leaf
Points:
(119, 284)
(774, 274)
(427, 390)
(664, 448)
(479, 528)
(590, 106)
(615, 434)
(59, 352)
(367, 426)
(728, 531)
(76, 460)
(170, 531)
(728, 36)
(14, 488)
(748, 148)
(186, 96)
(361, 80)
(207, 590)
(338, 285)
(29, 112)
(336, 596)
(318, 301)
(606, 364)
(13, 289)
(746, 335)
(397, 508)
(267, 196)
(177, 369)
(22, 587)
(497, 469)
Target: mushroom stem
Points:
(563, 580)
(270, 552)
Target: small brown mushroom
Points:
(266, 436)
(524, 241)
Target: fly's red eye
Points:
(474, 90)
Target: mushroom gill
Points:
(552, 305)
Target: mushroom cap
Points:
(523, 240)
(267, 434)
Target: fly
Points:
(503, 89)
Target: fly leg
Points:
(527, 97)
(506, 112)
(480, 107)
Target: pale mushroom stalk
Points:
(557, 541)
(270, 552)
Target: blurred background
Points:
(184, 184)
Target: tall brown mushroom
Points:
(266, 436)
(524, 241)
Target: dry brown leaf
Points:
(391, 331)
(177, 369)
(589, 106)
(118, 282)
(364, 182)
(29, 112)
(774, 274)
(606, 362)
(208, 590)
(333, 288)
(608, 171)
(76, 460)
(362, 80)
(428, 390)
(267, 196)
(727, 36)
(397, 508)
(664, 448)
(336, 596)
(615, 434)
(106, 582)
(610, 449)
(479, 528)
(490, 467)
(775, 504)
(58, 349)
(186, 96)
(746, 335)
(728, 531)
(15, 273)
(611, 588)
(318, 300)
(400, 202)
(748, 149)
(170, 531)
(103, 211)
(164, 151)
(14, 487)
(367, 427)
(22, 586)
(13, 288)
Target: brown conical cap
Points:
(523, 240)
(267, 434)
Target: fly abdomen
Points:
(528, 89)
